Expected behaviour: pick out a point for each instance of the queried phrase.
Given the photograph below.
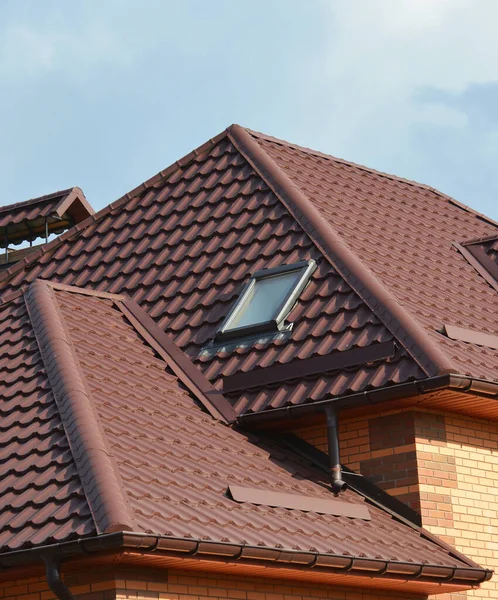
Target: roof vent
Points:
(37, 220)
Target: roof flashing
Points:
(325, 506)
(471, 336)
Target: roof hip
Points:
(99, 476)
(397, 319)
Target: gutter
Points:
(460, 383)
(142, 543)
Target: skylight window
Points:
(267, 300)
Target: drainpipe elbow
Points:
(55, 583)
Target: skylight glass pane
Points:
(265, 298)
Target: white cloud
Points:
(56, 44)
(382, 51)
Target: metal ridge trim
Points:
(214, 402)
(396, 318)
(93, 458)
(143, 543)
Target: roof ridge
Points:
(103, 212)
(99, 476)
(361, 167)
(73, 289)
(480, 240)
(39, 199)
(395, 317)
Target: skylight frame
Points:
(277, 323)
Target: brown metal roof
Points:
(184, 244)
(102, 434)
(404, 233)
(26, 220)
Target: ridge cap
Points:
(409, 333)
(93, 459)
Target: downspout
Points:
(335, 471)
(53, 575)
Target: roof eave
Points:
(388, 394)
(459, 578)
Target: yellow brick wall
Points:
(203, 586)
(357, 450)
(457, 479)
(468, 516)
(154, 584)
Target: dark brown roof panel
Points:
(173, 461)
(41, 494)
(176, 461)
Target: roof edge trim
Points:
(75, 195)
(459, 577)
(474, 262)
(212, 400)
(94, 461)
(401, 324)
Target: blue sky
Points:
(103, 94)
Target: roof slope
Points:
(404, 232)
(169, 462)
(42, 499)
(184, 244)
